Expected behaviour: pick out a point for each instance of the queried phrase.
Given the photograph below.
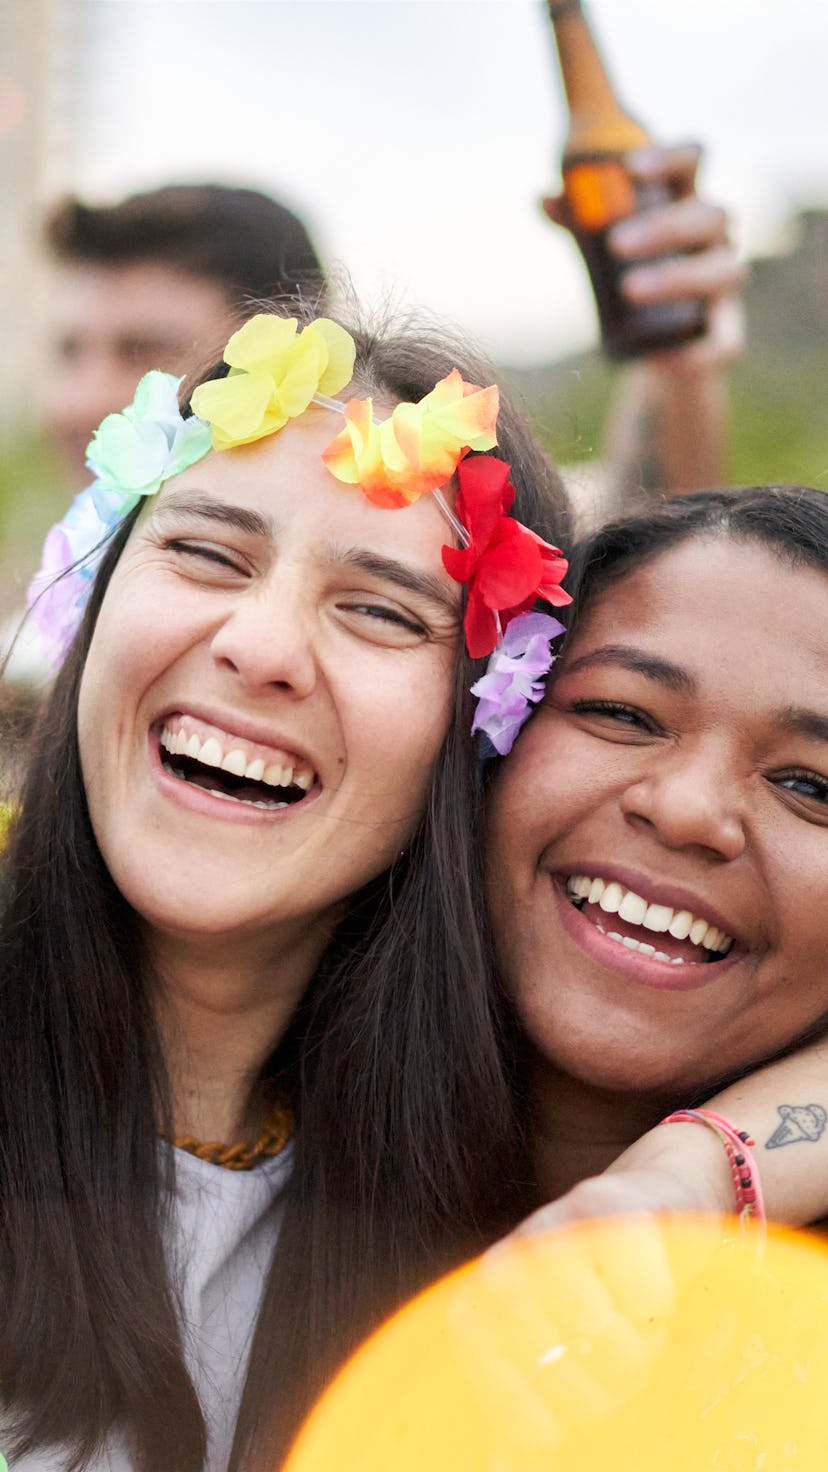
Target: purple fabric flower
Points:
(515, 678)
(59, 590)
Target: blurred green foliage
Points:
(778, 423)
(33, 495)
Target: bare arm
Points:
(683, 1167)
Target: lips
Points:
(644, 926)
(656, 949)
(232, 767)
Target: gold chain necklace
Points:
(275, 1134)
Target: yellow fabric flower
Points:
(418, 449)
(274, 374)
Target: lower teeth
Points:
(642, 947)
(226, 796)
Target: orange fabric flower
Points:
(418, 449)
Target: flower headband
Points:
(275, 374)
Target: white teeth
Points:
(614, 899)
(210, 753)
(235, 762)
(247, 803)
(658, 917)
(579, 886)
(679, 926)
(632, 908)
(634, 945)
(611, 898)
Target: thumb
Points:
(556, 209)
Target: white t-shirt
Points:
(223, 1232)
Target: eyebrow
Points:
(672, 676)
(803, 722)
(424, 584)
(243, 518)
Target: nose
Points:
(268, 639)
(691, 799)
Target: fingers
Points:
(712, 274)
(679, 225)
(556, 209)
(721, 344)
(676, 167)
(557, 1334)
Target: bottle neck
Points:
(598, 122)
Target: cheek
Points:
(397, 725)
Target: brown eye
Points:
(617, 713)
(806, 784)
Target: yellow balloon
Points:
(615, 1346)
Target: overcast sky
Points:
(416, 136)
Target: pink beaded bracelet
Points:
(750, 1203)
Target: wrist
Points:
(687, 1154)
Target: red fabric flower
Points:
(505, 565)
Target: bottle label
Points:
(599, 192)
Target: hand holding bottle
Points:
(676, 250)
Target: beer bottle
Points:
(599, 191)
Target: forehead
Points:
(140, 297)
(283, 477)
(735, 612)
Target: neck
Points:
(579, 1130)
(221, 1009)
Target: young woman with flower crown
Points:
(241, 895)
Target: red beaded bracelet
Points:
(750, 1203)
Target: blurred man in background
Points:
(159, 280)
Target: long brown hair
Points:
(405, 1134)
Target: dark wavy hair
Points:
(791, 520)
(249, 244)
(405, 1148)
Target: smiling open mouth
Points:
(227, 770)
(676, 937)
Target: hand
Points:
(628, 1192)
(681, 250)
(557, 1335)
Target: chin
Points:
(615, 1067)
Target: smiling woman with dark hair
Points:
(241, 903)
(658, 839)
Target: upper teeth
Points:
(235, 759)
(615, 899)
